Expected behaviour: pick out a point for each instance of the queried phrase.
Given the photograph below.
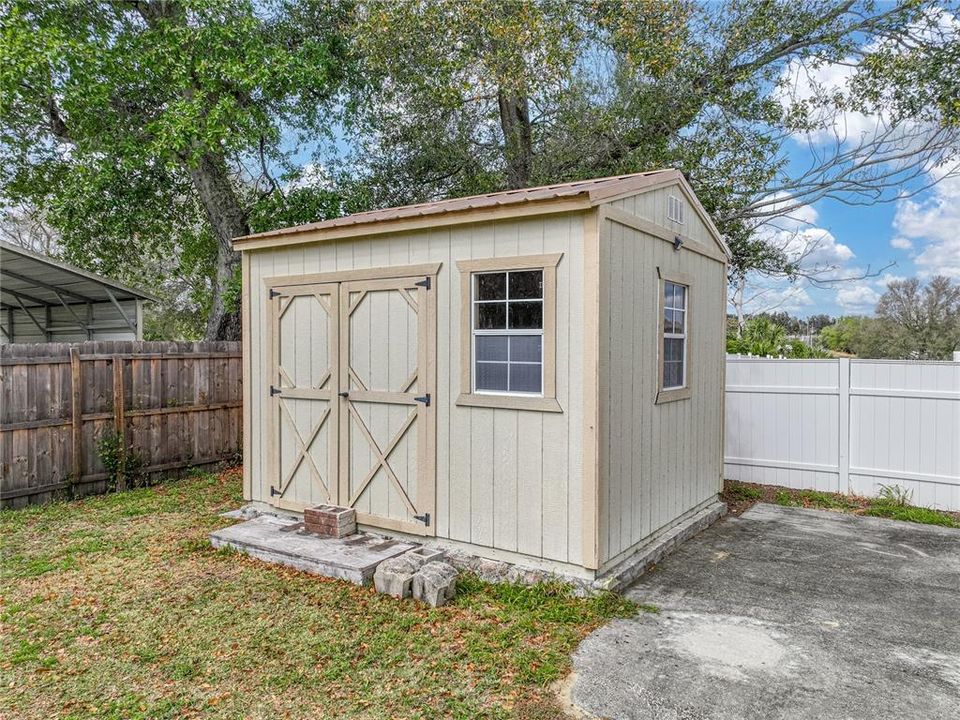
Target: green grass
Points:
(908, 513)
(739, 491)
(117, 607)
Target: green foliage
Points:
(123, 467)
(896, 495)
(907, 513)
(763, 337)
(740, 491)
(913, 321)
(131, 128)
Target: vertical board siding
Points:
(506, 479)
(177, 404)
(657, 461)
(846, 426)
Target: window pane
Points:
(668, 321)
(672, 349)
(491, 376)
(678, 321)
(491, 347)
(526, 348)
(526, 285)
(525, 378)
(679, 296)
(672, 374)
(491, 286)
(668, 294)
(491, 316)
(526, 315)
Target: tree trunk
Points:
(227, 220)
(518, 139)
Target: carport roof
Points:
(36, 281)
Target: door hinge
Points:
(425, 399)
(274, 391)
(425, 518)
(425, 283)
(274, 491)
(275, 293)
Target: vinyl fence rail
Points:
(176, 405)
(846, 426)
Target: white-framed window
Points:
(507, 312)
(675, 209)
(673, 353)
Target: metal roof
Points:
(33, 280)
(594, 191)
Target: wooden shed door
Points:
(387, 422)
(303, 395)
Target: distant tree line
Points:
(911, 321)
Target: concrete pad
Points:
(787, 613)
(285, 541)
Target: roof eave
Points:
(465, 216)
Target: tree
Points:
(498, 94)
(145, 130)
(929, 315)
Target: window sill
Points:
(666, 396)
(509, 402)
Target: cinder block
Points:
(435, 583)
(422, 555)
(395, 576)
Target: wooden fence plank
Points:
(174, 404)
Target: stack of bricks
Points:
(330, 521)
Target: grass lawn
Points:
(739, 496)
(117, 607)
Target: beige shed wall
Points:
(652, 206)
(507, 480)
(657, 462)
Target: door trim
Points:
(276, 309)
(389, 272)
(425, 384)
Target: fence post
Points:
(118, 420)
(76, 413)
(843, 461)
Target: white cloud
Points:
(933, 226)
(901, 243)
(857, 298)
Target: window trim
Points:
(665, 395)
(546, 401)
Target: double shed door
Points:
(352, 398)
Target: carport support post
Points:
(843, 461)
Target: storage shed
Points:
(533, 376)
(46, 300)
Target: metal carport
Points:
(45, 300)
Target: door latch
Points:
(425, 518)
(344, 394)
(425, 399)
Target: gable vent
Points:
(675, 209)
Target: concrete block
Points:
(422, 555)
(435, 583)
(395, 576)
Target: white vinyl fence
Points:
(846, 426)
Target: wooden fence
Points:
(176, 405)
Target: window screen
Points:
(508, 332)
(674, 355)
